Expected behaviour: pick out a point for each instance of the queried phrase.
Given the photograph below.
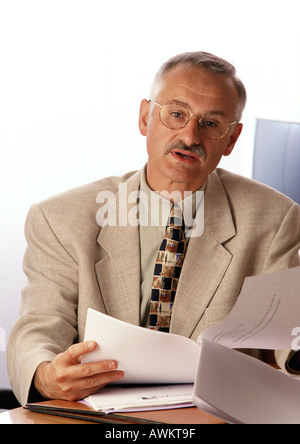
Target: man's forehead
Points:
(196, 78)
(185, 83)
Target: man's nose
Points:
(191, 133)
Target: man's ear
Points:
(144, 116)
(233, 139)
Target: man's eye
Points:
(210, 124)
(177, 115)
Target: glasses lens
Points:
(174, 116)
(214, 126)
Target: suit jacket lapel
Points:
(206, 261)
(118, 271)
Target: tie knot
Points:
(176, 217)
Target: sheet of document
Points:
(113, 399)
(265, 316)
(240, 389)
(237, 387)
(146, 356)
(228, 384)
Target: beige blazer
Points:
(72, 264)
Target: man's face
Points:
(201, 92)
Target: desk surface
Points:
(190, 415)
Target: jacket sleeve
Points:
(284, 250)
(283, 254)
(47, 324)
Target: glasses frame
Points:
(189, 118)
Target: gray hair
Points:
(201, 60)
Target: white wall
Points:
(73, 72)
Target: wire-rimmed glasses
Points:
(214, 125)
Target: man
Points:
(76, 260)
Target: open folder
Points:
(228, 384)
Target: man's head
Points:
(201, 60)
(187, 139)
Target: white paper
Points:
(241, 389)
(237, 387)
(265, 314)
(153, 408)
(143, 397)
(145, 356)
(228, 384)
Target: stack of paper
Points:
(243, 390)
(228, 384)
(145, 356)
(138, 398)
(237, 387)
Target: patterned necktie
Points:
(167, 271)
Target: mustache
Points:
(194, 149)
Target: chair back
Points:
(277, 156)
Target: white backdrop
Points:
(73, 72)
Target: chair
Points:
(8, 400)
(277, 156)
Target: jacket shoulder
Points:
(251, 192)
(87, 194)
(75, 210)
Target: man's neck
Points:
(177, 190)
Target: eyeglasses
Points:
(214, 125)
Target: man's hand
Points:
(66, 378)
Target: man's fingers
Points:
(94, 368)
(74, 353)
(81, 380)
(99, 380)
(88, 386)
(70, 367)
(67, 378)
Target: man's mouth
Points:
(186, 154)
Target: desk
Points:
(191, 415)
